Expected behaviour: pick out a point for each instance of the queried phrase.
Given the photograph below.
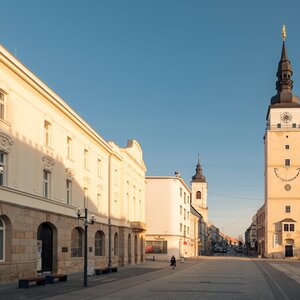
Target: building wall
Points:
(168, 206)
(110, 182)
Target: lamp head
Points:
(78, 212)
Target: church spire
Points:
(284, 83)
(199, 175)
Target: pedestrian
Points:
(173, 262)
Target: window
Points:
(294, 125)
(287, 162)
(2, 106)
(188, 230)
(47, 132)
(184, 215)
(287, 146)
(198, 195)
(2, 168)
(278, 125)
(116, 244)
(180, 227)
(188, 199)
(180, 210)
(76, 243)
(99, 202)
(288, 209)
(46, 184)
(86, 159)
(99, 243)
(99, 166)
(116, 177)
(184, 230)
(2, 240)
(184, 197)
(69, 147)
(156, 247)
(180, 191)
(188, 214)
(69, 191)
(288, 227)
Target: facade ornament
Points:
(70, 172)
(49, 163)
(86, 182)
(6, 142)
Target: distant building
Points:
(282, 168)
(52, 163)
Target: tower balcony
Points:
(280, 127)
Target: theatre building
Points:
(52, 163)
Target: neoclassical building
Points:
(281, 237)
(53, 163)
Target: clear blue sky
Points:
(181, 77)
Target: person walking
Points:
(173, 262)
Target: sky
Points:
(180, 77)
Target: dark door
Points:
(289, 251)
(46, 236)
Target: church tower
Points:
(282, 166)
(199, 192)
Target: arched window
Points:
(198, 195)
(2, 240)
(76, 243)
(99, 243)
(116, 244)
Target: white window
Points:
(69, 147)
(46, 184)
(2, 168)
(47, 133)
(2, 240)
(99, 167)
(2, 106)
(69, 191)
(86, 158)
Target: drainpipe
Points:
(109, 212)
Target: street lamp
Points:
(86, 224)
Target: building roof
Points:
(288, 220)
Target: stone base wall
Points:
(21, 255)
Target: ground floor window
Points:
(157, 247)
(2, 239)
(99, 243)
(76, 243)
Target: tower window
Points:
(294, 125)
(287, 162)
(198, 195)
(278, 125)
(287, 146)
(287, 209)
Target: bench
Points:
(24, 283)
(106, 270)
(52, 278)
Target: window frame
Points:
(46, 184)
(2, 105)
(3, 166)
(76, 243)
(69, 147)
(2, 242)
(99, 243)
(47, 133)
(69, 191)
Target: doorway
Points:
(289, 251)
(45, 247)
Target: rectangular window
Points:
(285, 227)
(99, 202)
(2, 168)
(287, 209)
(180, 210)
(86, 159)
(180, 227)
(188, 199)
(292, 227)
(47, 133)
(184, 197)
(46, 184)
(278, 125)
(188, 214)
(188, 230)
(184, 214)
(287, 146)
(156, 247)
(69, 148)
(2, 106)
(99, 167)
(69, 191)
(184, 230)
(287, 162)
(294, 125)
(180, 192)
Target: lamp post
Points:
(86, 224)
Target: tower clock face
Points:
(286, 117)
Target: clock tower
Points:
(199, 192)
(282, 166)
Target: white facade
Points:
(168, 218)
(52, 162)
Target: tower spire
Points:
(284, 83)
(199, 175)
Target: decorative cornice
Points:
(49, 163)
(6, 142)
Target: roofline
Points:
(170, 177)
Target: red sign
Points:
(184, 243)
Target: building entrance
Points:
(45, 247)
(289, 251)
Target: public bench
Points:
(52, 278)
(106, 270)
(26, 282)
